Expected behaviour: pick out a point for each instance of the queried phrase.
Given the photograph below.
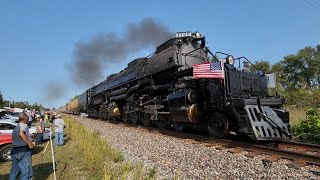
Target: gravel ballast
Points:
(176, 158)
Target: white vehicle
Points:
(13, 117)
(8, 126)
(10, 118)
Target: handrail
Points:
(242, 57)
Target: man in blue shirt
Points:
(22, 150)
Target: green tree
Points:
(37, 106)
(301, 70)
(311, 61)
(292, 68)
(262, 65)
(298, 77)
(5, 104)
(21, 105)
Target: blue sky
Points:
(37, 38)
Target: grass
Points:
(84, 156)
(69, 163)
(297, 115)
(103, 161)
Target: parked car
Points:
(10, 118)
(13, 117)
(8, 126)
(5, 146)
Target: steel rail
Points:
(313, 147)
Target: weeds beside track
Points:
(101, 160)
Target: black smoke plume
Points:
(53, 91)
(92, 57)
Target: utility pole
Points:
(9, 101)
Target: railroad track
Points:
(299, 154)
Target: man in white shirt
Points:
(59, 130)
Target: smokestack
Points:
(92, 57)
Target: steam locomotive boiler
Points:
(163, 89)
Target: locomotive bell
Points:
(116, 112)
(193, 113)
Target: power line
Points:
(313, 6)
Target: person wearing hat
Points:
(59, 130)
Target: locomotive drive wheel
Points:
(115, 120)
(126, 119)
(163, 122)
(218, 126)
(145, 119)
(103, 115)
(134, 118)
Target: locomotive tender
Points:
(162, 90)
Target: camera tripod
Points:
(52, 156)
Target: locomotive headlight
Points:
(230, 59)
(197, 35)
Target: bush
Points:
(309, 130)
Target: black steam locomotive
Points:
(162, 90)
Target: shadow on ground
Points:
(66, 139)
(37, 149)
(42, 172)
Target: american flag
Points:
(208, 70)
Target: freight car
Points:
(73, 106)
(179, 86)
(62, 109)
(68, 107)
